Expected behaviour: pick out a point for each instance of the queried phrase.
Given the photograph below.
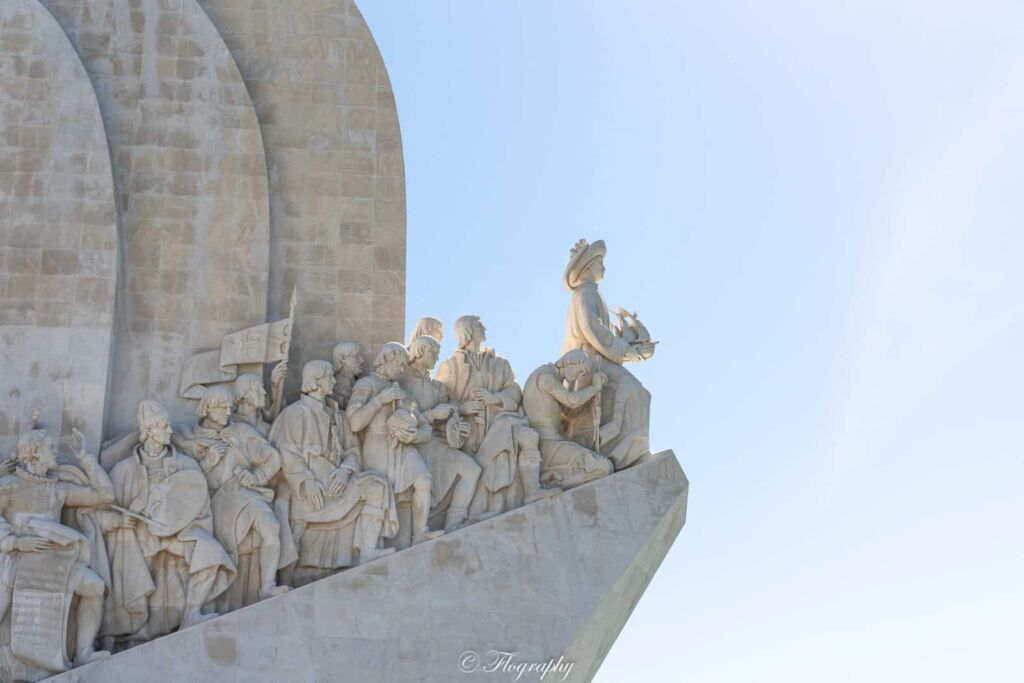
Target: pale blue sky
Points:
(817, 207)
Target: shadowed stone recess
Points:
(58, 258)
(191, 185)
(556, 578)
(337, 179)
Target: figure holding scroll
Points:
(43, 563)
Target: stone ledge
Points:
(556, 578)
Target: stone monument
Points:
(202, 215)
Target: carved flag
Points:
(253, 346)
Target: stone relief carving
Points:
(388, 447)
(547, 395)
(624, 417)
(427, 327)
(45, 563)
(500, 436)
(258, 497)
(339, 512)
(165, 563)
(454, 474)
(240, 464)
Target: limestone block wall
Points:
(58, 255)
(254, 147)
(191, 183)
(334, 153)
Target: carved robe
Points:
(448, 465)
(624, 401)
(400, 466)
(563, 461)
(150, 573)
(493, 435)
(42, 583)
(236, 509)
(307, 438)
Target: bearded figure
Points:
(44, 563)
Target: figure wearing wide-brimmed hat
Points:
(624, 415)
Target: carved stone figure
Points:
(454, 474)
(348, 363)
(338, 511)
(547, 394)
(44, 563)
(625, 403)
(374, 398)
(500, 436)
(165, 563)
(427, 327)
(239, 464)
(251, 403)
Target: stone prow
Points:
(558, 578)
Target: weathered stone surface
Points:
(58, 257)
(191, 185)
(556, 578)
(337, 179)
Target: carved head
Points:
(348, 358)
(427, 327)
(469, 329)
(215, 406)
(317, 376)
(36, 452)
(574, 365)
(586, 263)
(424, 352)
(391, 361)
(154, 423)
(249, 390)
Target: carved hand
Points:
(473, 407)
(79, 440)
(278, 374)
(405, 434)
(126, 522)
(598, 380)
(33, 544)
(246, 478)
(339, 478)
(315, 494)
(391, 394)
(442, 411)
(632, 356)
(488, 397)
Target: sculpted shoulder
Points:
(545, 380)
(245, 430)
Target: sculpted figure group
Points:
(170, 526)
